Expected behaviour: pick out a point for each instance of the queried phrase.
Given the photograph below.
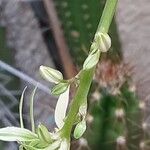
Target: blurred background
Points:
(58, 33)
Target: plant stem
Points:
(107, 16)
(86, 76)
(80, 97)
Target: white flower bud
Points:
(51, 74)
(102, 41)
(91, 60)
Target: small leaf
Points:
(80, 129)
(16, 134)
(91, 60)
(20, 108)
(31, 110)
(60, 88)
(51, 74)
(43, 134)
(61, 108)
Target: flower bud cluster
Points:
(101, 43)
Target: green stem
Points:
(80, 97)
(86, 76)
(107, 16)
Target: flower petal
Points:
(16, 134)
(61, 108)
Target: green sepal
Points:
(91, 60)
(60, 88)
(44, 134)
(79, 129)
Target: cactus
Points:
(116, 122)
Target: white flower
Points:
(61, 108)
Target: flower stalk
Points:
(86, 76)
